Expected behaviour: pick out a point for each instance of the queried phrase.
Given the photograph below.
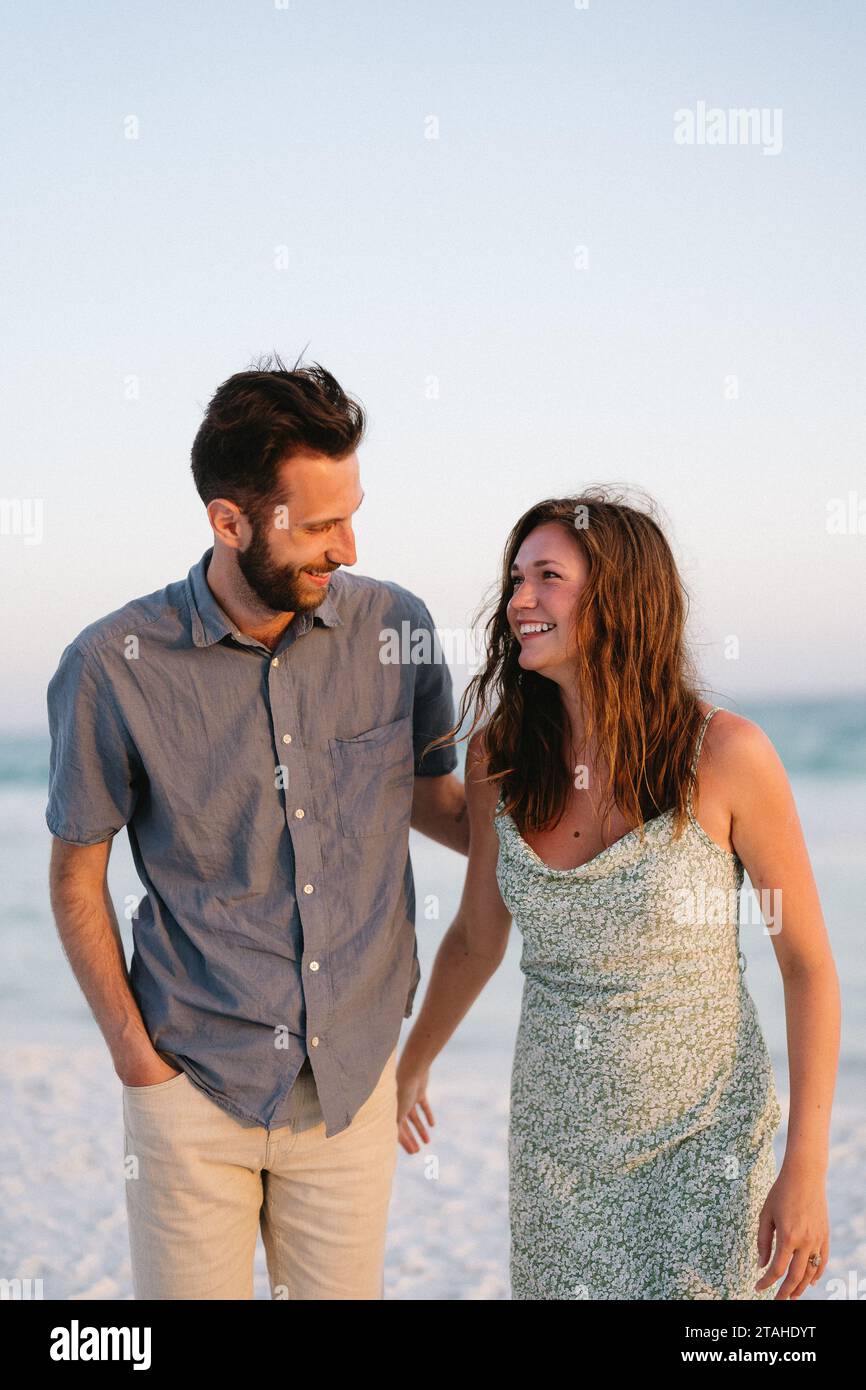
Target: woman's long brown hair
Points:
(633, 671)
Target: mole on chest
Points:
(573, 841)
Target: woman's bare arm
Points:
(474, 944)
(768, 837)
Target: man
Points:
(267, 765)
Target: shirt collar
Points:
(210, 623)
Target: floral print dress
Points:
(643, 1101)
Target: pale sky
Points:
(550, 292)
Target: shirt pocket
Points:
(374, 776)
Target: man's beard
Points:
(283, 591)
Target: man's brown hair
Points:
(259, 418)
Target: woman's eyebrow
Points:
(515, 566)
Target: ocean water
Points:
(821, 742)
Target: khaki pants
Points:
(205, 1184)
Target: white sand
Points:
(63, 1192)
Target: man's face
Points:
(308, 528)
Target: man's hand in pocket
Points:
(147, 1071)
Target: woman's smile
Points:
(532, 628)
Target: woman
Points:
(612, 815)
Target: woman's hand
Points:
(796, 1209)
(412, 1093)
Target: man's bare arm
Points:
(90, 935)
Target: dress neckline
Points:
(587, 863)
(730, 855)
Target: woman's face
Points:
(548, 573)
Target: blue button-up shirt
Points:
(267, 798)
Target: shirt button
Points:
(276, 661)
(308, 887)
(314, 1042)
(287, 738)
(314, 965)
(299, 813)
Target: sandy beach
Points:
(64, 1204)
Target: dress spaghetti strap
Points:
(697, 753)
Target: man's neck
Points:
(269, 636)
(251, 618)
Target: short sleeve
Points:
(94, 770)
(433, 710)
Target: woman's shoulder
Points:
(484, 794)
(736, 748)
(477, 754)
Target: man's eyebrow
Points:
(515, 566)
(331, 520)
